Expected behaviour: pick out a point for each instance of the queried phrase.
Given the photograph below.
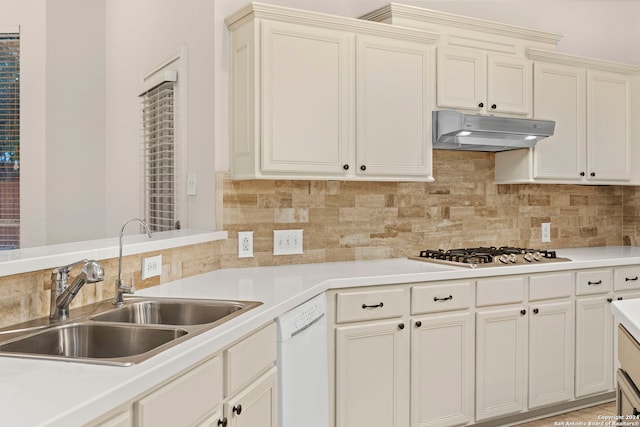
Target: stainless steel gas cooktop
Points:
(489, 256)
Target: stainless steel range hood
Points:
(472, 132)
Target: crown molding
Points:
(582, 61)
(284, 14)
(396, 10)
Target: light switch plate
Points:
(287, 242)
(545, 232)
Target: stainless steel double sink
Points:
(103, 334)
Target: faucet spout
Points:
(62, 295)
(121, 288)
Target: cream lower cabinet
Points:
(594, 330)
(501, 362)
(256, 405)
(551, 353)
(236, 387)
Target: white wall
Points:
(604, 29)
(140, 35)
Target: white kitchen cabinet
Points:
(120, 419)
(551, 353)
(608, 126)
(256, 405)
(475, 80)
(501, 362)
(591, 141)
(442, 359)
(560, 95)
(185, 400)
(319, 97)
(594, 351)
(393, 105)
(372, 374)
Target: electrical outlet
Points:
(545, 232)
(245, 244)
(287, 242)
(151, 266)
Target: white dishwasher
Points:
(303, 396)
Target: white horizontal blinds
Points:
(9, 141)
(158, 119)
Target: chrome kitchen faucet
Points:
(121, 288)
(62, 295)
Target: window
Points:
(159, 156)
(9, 141)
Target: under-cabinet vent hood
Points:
(472, 132)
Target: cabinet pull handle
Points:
(599, 282)
(582, 174)
(619, 298)
(494, 106)
(609, 299)
(223, 422)
(237, 409)
(450, 297)
(418, 323)
(635, 412)
(481, 105)
(365, 306)
(363, 168)
(523, 312)
(345, 167)
(630, 279)
(592, 174)
(536, 311)
(401, 326)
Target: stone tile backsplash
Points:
(464, 207)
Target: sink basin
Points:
(172, 312)
(107, 344)
(122, 336)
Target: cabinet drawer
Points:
(629, 354)
(184, 400)
(250, 357)
(628, 396)
(626, 278)
(549, 286)
(593, 282)
(369, 305)
(441, 297)
(508, 290)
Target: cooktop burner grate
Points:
(489, 256)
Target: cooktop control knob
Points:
(504, 258)
(528, 257)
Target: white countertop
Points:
(38, 393)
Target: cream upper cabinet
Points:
(559, 95)
(474, 80)
(592, 140)
(608, 126)
(393, 86)
(324, 97)
(307, 84)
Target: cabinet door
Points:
(442, 358)
(551, 355)
(372, 375)
(559, 94)
(608, 132)
(509, 85)
(461, 79)
(307, 99)
(256, 405)
(501, 360)
(593, 346)
(393, 107)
